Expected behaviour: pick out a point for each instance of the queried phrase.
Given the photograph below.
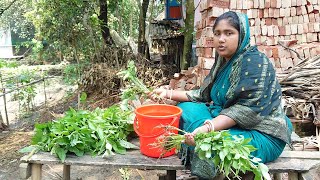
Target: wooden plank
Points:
(132, 159)
(314, 155)
(282, 165)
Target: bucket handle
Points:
(151, 136)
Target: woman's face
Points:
(226, 39)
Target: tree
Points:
(104, 19)
(142, 43)
(188, 35)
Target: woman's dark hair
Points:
(232, 19)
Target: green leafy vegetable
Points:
(80, 132)
(230, 154)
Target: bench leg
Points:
(293, 176)
(25, 170)
(36, 171)
(66, 172)
(277, 176)
(171, 175)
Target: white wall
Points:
(5, 43)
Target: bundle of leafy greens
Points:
(230, 154)
(85, 132)
(134, 87)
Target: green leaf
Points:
(83, 97)
(29, 149)
(61, 153)
(205, 147)
(264, 170)
(127, 144)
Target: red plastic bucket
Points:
(148, 117)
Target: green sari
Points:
(245, 89)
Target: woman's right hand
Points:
(158, 93)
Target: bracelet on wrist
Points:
(209, 123)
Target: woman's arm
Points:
(175, 95)
(221, 122)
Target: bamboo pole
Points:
(5, 106)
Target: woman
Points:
(245, 96)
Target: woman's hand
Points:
(190, 136)
(158, 93)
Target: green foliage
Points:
(26, 94)
(230, 154)
(5, 64)
(81, 132)
(71, 73)
(134, 87)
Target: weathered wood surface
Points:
(132, 159)
(289, 161)
(298, 161)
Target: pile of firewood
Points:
(301, 90)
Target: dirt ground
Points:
(21, 130)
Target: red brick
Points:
(276, 13)
(207, 52)
(293, 11)
(293, 3)
(219, 3)
(268, 21)
(275, 52)
(233, 4)
(267, 3)
(311, 27)
(299, 3)
(208, 63)
(276, 31)
(312, 17)
(316, 27)
(250, 4)
(305, 28)
(294, 28)
(258, 39)
(273, 3)
(261, 13)
(208, 42)
(261, 4)
(298, 10)
(210, 21)
(282, 30)
(295, 20)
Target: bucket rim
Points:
(163, 105)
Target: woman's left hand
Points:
(190, 136)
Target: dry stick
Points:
(298, 55)
(19, 87)
(5, 107)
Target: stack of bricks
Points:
(270, 21)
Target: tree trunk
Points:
(142, 45)
(188, 36)
(120, 18)
(104, 25)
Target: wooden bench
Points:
(296, 163)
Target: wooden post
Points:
(171, 175)
(293, 176)
(36, 171)
(277, 176)
(66, 172)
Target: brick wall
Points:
(270, 21)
